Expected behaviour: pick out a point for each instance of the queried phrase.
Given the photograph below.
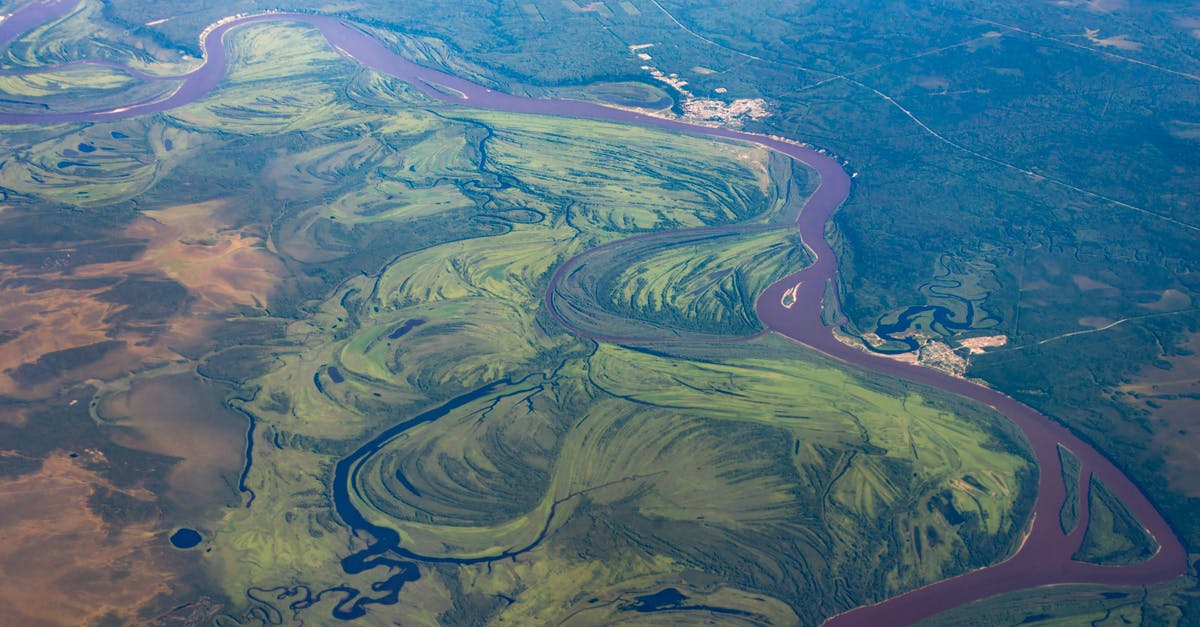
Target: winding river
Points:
(1045, 556)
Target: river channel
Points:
(1045, 556)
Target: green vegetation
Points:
(418, 240)
(626, 179)
(249, 102)
(1113, 535)
(1068, 516)
(1076, 605)
(754, 477)
(107, 171)
(680, 285)
(633, 94)
(1038, 233)
(86, 32)
(64, 90)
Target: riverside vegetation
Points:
(352, 254)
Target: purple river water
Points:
(1045, 556)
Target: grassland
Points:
(364, 256)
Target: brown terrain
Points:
(185, 418)
(62, 563)
(1171, 393)
(89, 491)
(117, 316)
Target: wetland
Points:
(500, 354)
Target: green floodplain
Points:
(403, 249)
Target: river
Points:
(1045, 556)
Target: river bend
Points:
(1045, 556)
